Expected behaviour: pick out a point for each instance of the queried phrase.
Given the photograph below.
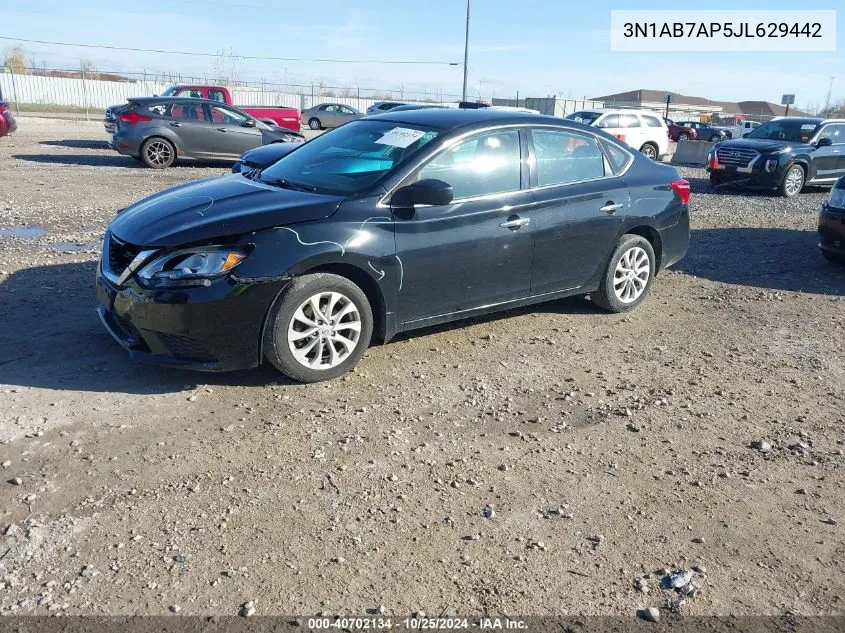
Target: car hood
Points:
(267, 154)
(214, 208)
(761, 145)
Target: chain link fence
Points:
(62, 90)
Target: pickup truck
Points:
(283, 117)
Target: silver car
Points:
(328, 115)
(158, 130)
(380, 107)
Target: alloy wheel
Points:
(649, 152)
(794, 181)
(631, 275)
(158, 153)
(324, 330)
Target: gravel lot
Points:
(556, 460)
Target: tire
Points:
(288, 328)
(715, 138)
(314, 123)
(793, 182)
(612, 294)
(683, 136)
(649, 150)
(158, 153)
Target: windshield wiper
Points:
(287, 184)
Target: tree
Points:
(15, 60)
(88, 67)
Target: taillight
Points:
(681, 187)
(131, 118)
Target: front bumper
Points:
(832, 230)
(211, 328)
(756, 177)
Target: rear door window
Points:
(217, 95)
(188, 112)
(630, 120)
(619, 158)
(651, 121)
(563, 157)
(190, 92)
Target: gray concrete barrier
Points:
(691, 153)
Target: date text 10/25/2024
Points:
(415, 623)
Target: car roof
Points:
(802, 119)
(451, 118)
(620, 111)
(146, 100)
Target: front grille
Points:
(121, 255)
(185, 347)
(735, 157)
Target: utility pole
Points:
(466, 55)
(829, 88)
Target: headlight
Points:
(837, 198)
(191, 266)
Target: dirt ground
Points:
(553, 460)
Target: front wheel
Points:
(715, 138)
(649, 151)
(158, 153)
(314, 123)
(320, 328)
(792, 182)
(628, 277)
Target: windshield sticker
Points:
(808, 126)
(400, 137)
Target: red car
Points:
(7, 119)
(678, 132)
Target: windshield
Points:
(795, 131)
(170, 91)
(351, 158)
(584, 117)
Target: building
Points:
(687, 107)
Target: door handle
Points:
(515, 223)
(610, 208)
(176, 124)
(221, 129)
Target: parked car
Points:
(380, 107)
(739, 129)
(283, 117)
(411, 106)
(261, 157)
(783, 155)
(158, 130)
(706, 132)
(7, 119)
(327, 115)
(832, 224)
(387, 224)
(641, 129)
(679, 131)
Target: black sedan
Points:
(384, 225)
(784, 154)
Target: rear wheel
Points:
(320, 328)
(649, 150)
(792, 182)
(683, 136)
(158, 153)
(314, 123)
(628, 277)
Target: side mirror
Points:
(249, 123)
(429, 191)
(824, 142)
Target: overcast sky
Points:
(534, 46)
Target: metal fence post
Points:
(84, 92)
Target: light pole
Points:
(466, 55)
(829, 88)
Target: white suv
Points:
(641, 129)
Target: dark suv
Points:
(783, 154)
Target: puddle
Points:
(23, 232)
